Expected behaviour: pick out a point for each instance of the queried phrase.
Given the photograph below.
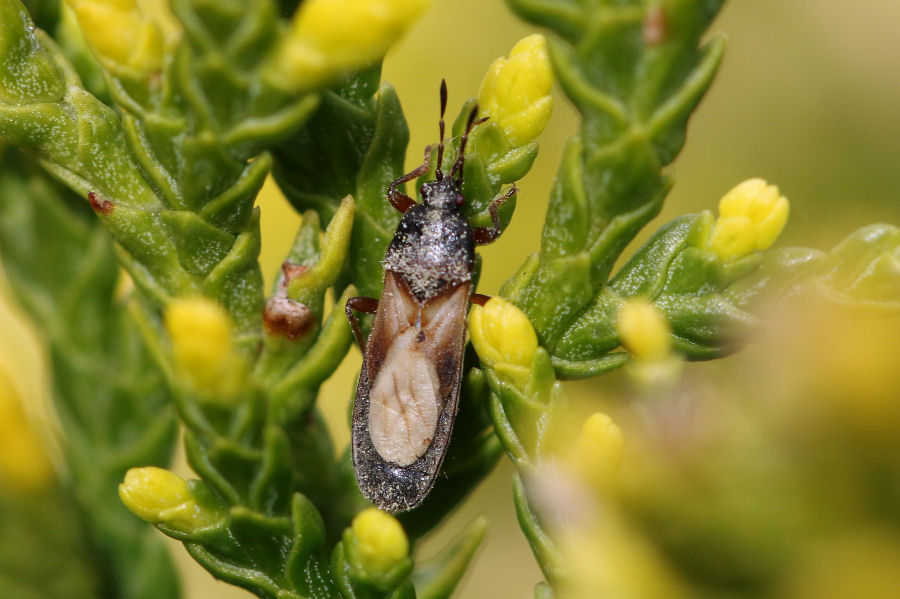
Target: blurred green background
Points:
(808, 97)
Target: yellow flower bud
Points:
(515, 92)
(643, 331)
(597, 452)
(24, 464)
(120, 33)
(611, 558)
(379, 543)
(751, 216)
(159, 496)
(200, 331)
(331, 37)
(503, 337)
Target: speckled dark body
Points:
(432, 249)
(429, 261)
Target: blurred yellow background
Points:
(807, 98)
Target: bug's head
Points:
(445, 191)
(442, 193)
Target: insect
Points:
(408, 390)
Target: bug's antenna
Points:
(461, 157)
(440, 157)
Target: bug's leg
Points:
(477, 298)
(369, 305)
(485, 235)
(400, 200)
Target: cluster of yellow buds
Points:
(200, 332)
(377, 547)
(162, 497)
(24, 464)
(504, 338)
(515, 93)
(751, 217)
(328, 38)
(120, 33)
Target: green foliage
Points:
(317, 168)
(171, 162)
(635, 73)
(635, 95)
(109, 395)
(43, 553)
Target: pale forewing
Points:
(406, 393)
(399, 308)
(404, 402)
(444, 321)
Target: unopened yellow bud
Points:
(515, 92)
(379, 543)
(24, 464)
(503, 337)
(120, 33)
(643, 331)
(597, 452)
(331, 37)
(162, 497)
(200, 331)
(611, 558)
(751, 216)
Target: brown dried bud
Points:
(655, 26)
(99, 204)
(283, 316)
(291, 271)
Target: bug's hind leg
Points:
(485, 235)
(400, 200)
(369, 305)
(480, 299)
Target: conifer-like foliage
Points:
(134, 145)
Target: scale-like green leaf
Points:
(635, 92)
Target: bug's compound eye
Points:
(423, 189)
(460, 200)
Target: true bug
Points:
(408, 389)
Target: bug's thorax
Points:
(433, 249)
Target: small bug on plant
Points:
(408, 390)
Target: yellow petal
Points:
(597, 452)
(751, 217)
(119, 32)
(515, 92)
(380, 541)
(331, 37)
(643, 330)
(200, 331)
(502, 334)
(159, 496)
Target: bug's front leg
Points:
(485, 235)
(400, 200)
(369, 305)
